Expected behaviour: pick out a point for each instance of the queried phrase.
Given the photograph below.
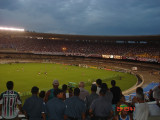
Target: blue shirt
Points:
(89, 99)
(34, 107)
(55, 109)
(101, 107)
(75, 107)
(127, 117)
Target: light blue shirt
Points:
(55, 109)
(75, 107)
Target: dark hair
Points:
(140, 95)
(9, 85)
(76, 91)
(139, 90)
(57, 91)
(103, 91)
(64, 87)
(94, 88)
(42, 94)
(104, 86)
(34, 90)
(113, 82)
(99, 82)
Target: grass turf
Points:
(27, 75)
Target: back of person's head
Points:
(93, 88)
(34, 90)
(123, 98)
(99, 82)
(9, 85)
(113, 82)
(64, 87)
(139, 90)
(70, 89)
(102, 92)
(57, 91)
(42, 94)
(76, 91)
(81, 84)
(55, 84)
(140, 96)
(104, 86)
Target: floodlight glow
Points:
(11, 29)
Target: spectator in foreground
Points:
(141, 107)
(70, 90)
(42, 94)
(156, 93)
(65, 95)
(150, 95)
(98, 83)
(55, 108)
(101, 109)
(108, 95)
(89, 99)
(49, 95)
(83, 92)
(33, 106)
(122, 110)
(116, 91)
(9, 111)
(123, 114)
(75, 107)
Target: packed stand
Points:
(77, 103)
(77, 47)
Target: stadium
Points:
(36, 59)
(79, 60)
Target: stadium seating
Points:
(141, 52)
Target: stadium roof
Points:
(81, 37)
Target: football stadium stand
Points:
(139, 48)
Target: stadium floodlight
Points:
(11, 29)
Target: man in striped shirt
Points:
(8, 103)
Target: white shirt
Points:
(141, 111)
(98, 90)
(156, 92)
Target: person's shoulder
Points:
(111, 89)
(49, 91)
(28, 99)
(51, 101)
(117, 88)
(93, 95)
(40, 99)
(15, 92)
(82, 101)
(69, 100)
(155, 88)
(97, 99)
(3, 93)
(77, 99)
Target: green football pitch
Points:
(27, 75)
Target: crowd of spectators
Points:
(85, 48)
(56, 104)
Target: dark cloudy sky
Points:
(85, 17)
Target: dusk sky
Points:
(84, 17)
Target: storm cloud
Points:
(85, 17)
